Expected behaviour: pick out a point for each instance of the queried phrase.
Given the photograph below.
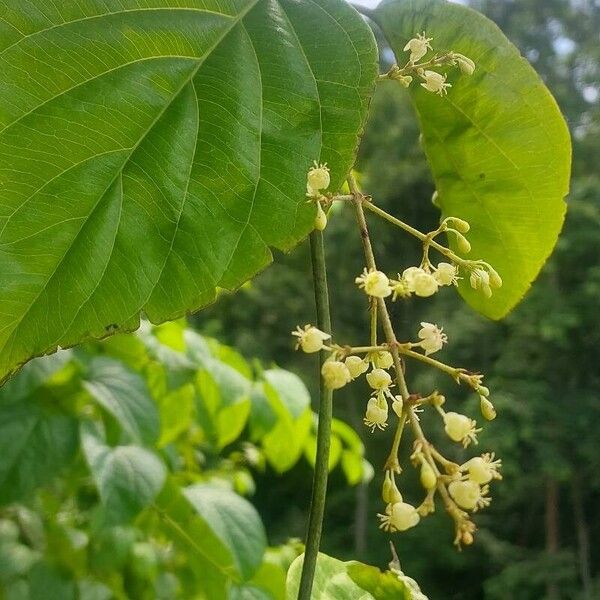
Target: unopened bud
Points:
(463, 243)
(320, 218)
(428, 477)
(487, 408)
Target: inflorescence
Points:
(464, 489)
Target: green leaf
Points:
(177, 411)
(346, 581)
(498, 146)
(154, 151)
(231, 421)
(284, 443)
(35, 445)
(124, 394)
(291, 390)
(128, 477)
(235, 522)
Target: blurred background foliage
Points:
(539, 539)
(219, 421)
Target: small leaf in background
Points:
(236, 523)
(177, 410)
(497, 144)
(290, 390)
(125, 395)
(35, 445)
(128, 478)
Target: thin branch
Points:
(319, 489)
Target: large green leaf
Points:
(497, 144)
(348, 581)
(153, 150)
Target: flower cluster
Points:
(463, 489)
(432, 80)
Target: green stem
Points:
(416, 233)
(319, 489)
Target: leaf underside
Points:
(154, 153)
(497, 144)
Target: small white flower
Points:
(445, 274)
(310, 339)
(317, 179)
(335, 374)
(459, 224)
(418, 47)
(467, 494)
(374, 283)
(356, 365)
(400, 288)
(460, 428)
(399, 516)
(409, 275)
(382, 359)
(376, 414)
(425, 284)
(432, 338)
(482, 469)
(435, 83)
(379, 379)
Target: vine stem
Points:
(319, 488)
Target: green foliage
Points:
(348, 581)
(156, 152)
(498, 145)
(124, 467)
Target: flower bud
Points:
(487, 408)
(397, 405)
(335, 374)
(379, 379)
(428, 477)
(459, 224)
(356, 366)
(389, 492)
(465, 64)
(320, 218)
(495, 279)
(463, 243)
